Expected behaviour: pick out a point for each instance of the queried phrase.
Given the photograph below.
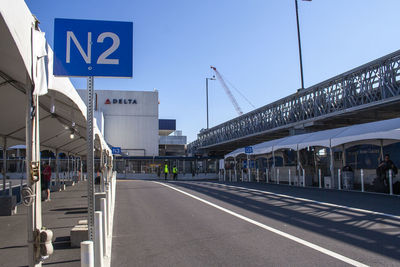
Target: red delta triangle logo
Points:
(107, 101)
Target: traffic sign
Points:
(248, 149)
(93, 48)
(116, 150)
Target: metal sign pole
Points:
(90, 157)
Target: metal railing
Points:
(369, 85)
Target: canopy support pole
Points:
(4, 164)
(298, 165)
(57, 169)
(34, 214)
(381, 145)
(332, 164)
(235, 169)
(273, 163)
(248, 168)
(102, 170)
(343, 155)
(68, 174)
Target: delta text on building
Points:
(129, 120)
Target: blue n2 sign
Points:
(116, 150)
(248, 149)
(93, 48)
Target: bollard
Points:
(390, 182)
(338, 180)
(235, 175)
(103, 208)
(277, 176)
(290, 177)
(10, 188)
(266, 175)
(319, 178)
(242, 175)
(98, 239)
(304, 178)
(87, 254)
(362, 180)
(230, 175)
(258, 176)
(224, 175)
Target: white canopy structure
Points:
(378, 133)
(40, 111)
(62, 112)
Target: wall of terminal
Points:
(130, 120)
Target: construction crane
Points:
(227, 91)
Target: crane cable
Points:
(237, 90)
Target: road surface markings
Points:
(317, 202)
(273, 230)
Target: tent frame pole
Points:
(4, 164)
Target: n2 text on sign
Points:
(93, 48)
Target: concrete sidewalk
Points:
(59, 215)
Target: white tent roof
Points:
(16, 22)
(267, 147)
(380, 132)
(387, 129)
(261, 148)
(235, 153)
(290, 142)
(321, 138)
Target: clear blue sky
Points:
(253, 43)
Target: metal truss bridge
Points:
(368, 93)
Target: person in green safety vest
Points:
(165, 171)
(175, 172)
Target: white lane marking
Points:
(317, 202)
(268, 228)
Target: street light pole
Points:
(207, 98)
(299, 41)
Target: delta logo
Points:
(120, 101)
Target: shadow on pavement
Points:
(347, 226)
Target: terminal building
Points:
(129, 120)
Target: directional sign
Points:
(116, 150)
(248, 149)
(93, 48)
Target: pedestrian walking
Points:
(175, 172)
(165, 171)
(46, 176)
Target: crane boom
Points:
(228, 91)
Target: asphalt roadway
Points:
(248, 224)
